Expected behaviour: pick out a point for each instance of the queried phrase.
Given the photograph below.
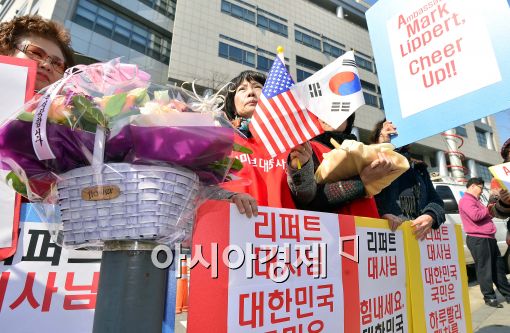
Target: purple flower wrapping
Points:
(193, 147)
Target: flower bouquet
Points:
(351, 157)
(123, 158)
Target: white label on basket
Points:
(100, 192)
(39, 139)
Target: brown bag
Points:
(350, 158)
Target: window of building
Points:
(381, 104)
(302, 75)
(307, 40)
(236, 54)
(276, 17)
(484, 173)
(265, 60)
(482, 138)
(433, 162)
(370, 99)
(165, 7)
(332, 50)
(262, 21)
(23, 9)
(263, 63)
(272, 25)
(364, 63)
(368, 86)
(122, 29)
(237, 11)
(461, 130)
(314, 66)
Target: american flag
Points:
(280, 122)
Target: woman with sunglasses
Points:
(44, 41)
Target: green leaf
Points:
(26, 116)
(124, 115)
(141, 96)
(237, 165)
(114, 105)
(241, 149)
(223, 164)
(16, 183)
(88, 111)
(95, 115)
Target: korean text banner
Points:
(441, 63)
(46, 288)
(295, 271)
(438, 281)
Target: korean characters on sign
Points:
(296, 283)
(49, 284)
(382, 280)
(441, 274)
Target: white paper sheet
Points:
(13, 81)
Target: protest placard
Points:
(438, 281)
(441, 63)
(501, 173)
(295, 271)
(54, 287)
(384, 296)
(16, 86)
(276, 294)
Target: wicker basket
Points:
(154, 202)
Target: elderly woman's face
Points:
(246, 98)
(47, 54)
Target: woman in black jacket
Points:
(412, 195)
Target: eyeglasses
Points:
(36, 53)
(480, 186)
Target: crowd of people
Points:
(290, 182)
(410, 197)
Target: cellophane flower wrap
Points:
(118, 156)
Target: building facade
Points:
(211, 41)
(139, 31)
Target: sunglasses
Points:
(36, 53)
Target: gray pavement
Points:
(485, 318)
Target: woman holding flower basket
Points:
(44, 41)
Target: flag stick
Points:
(279, 53)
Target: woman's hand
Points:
(386, 131)
(377, 169)
(393, 220)
(422, 225)
(301, 153)
(504, 196)
(246, 204)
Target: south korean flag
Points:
(334, 92)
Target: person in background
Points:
(45, 41)
(481, 241)
(412, 195)
(345, 196)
